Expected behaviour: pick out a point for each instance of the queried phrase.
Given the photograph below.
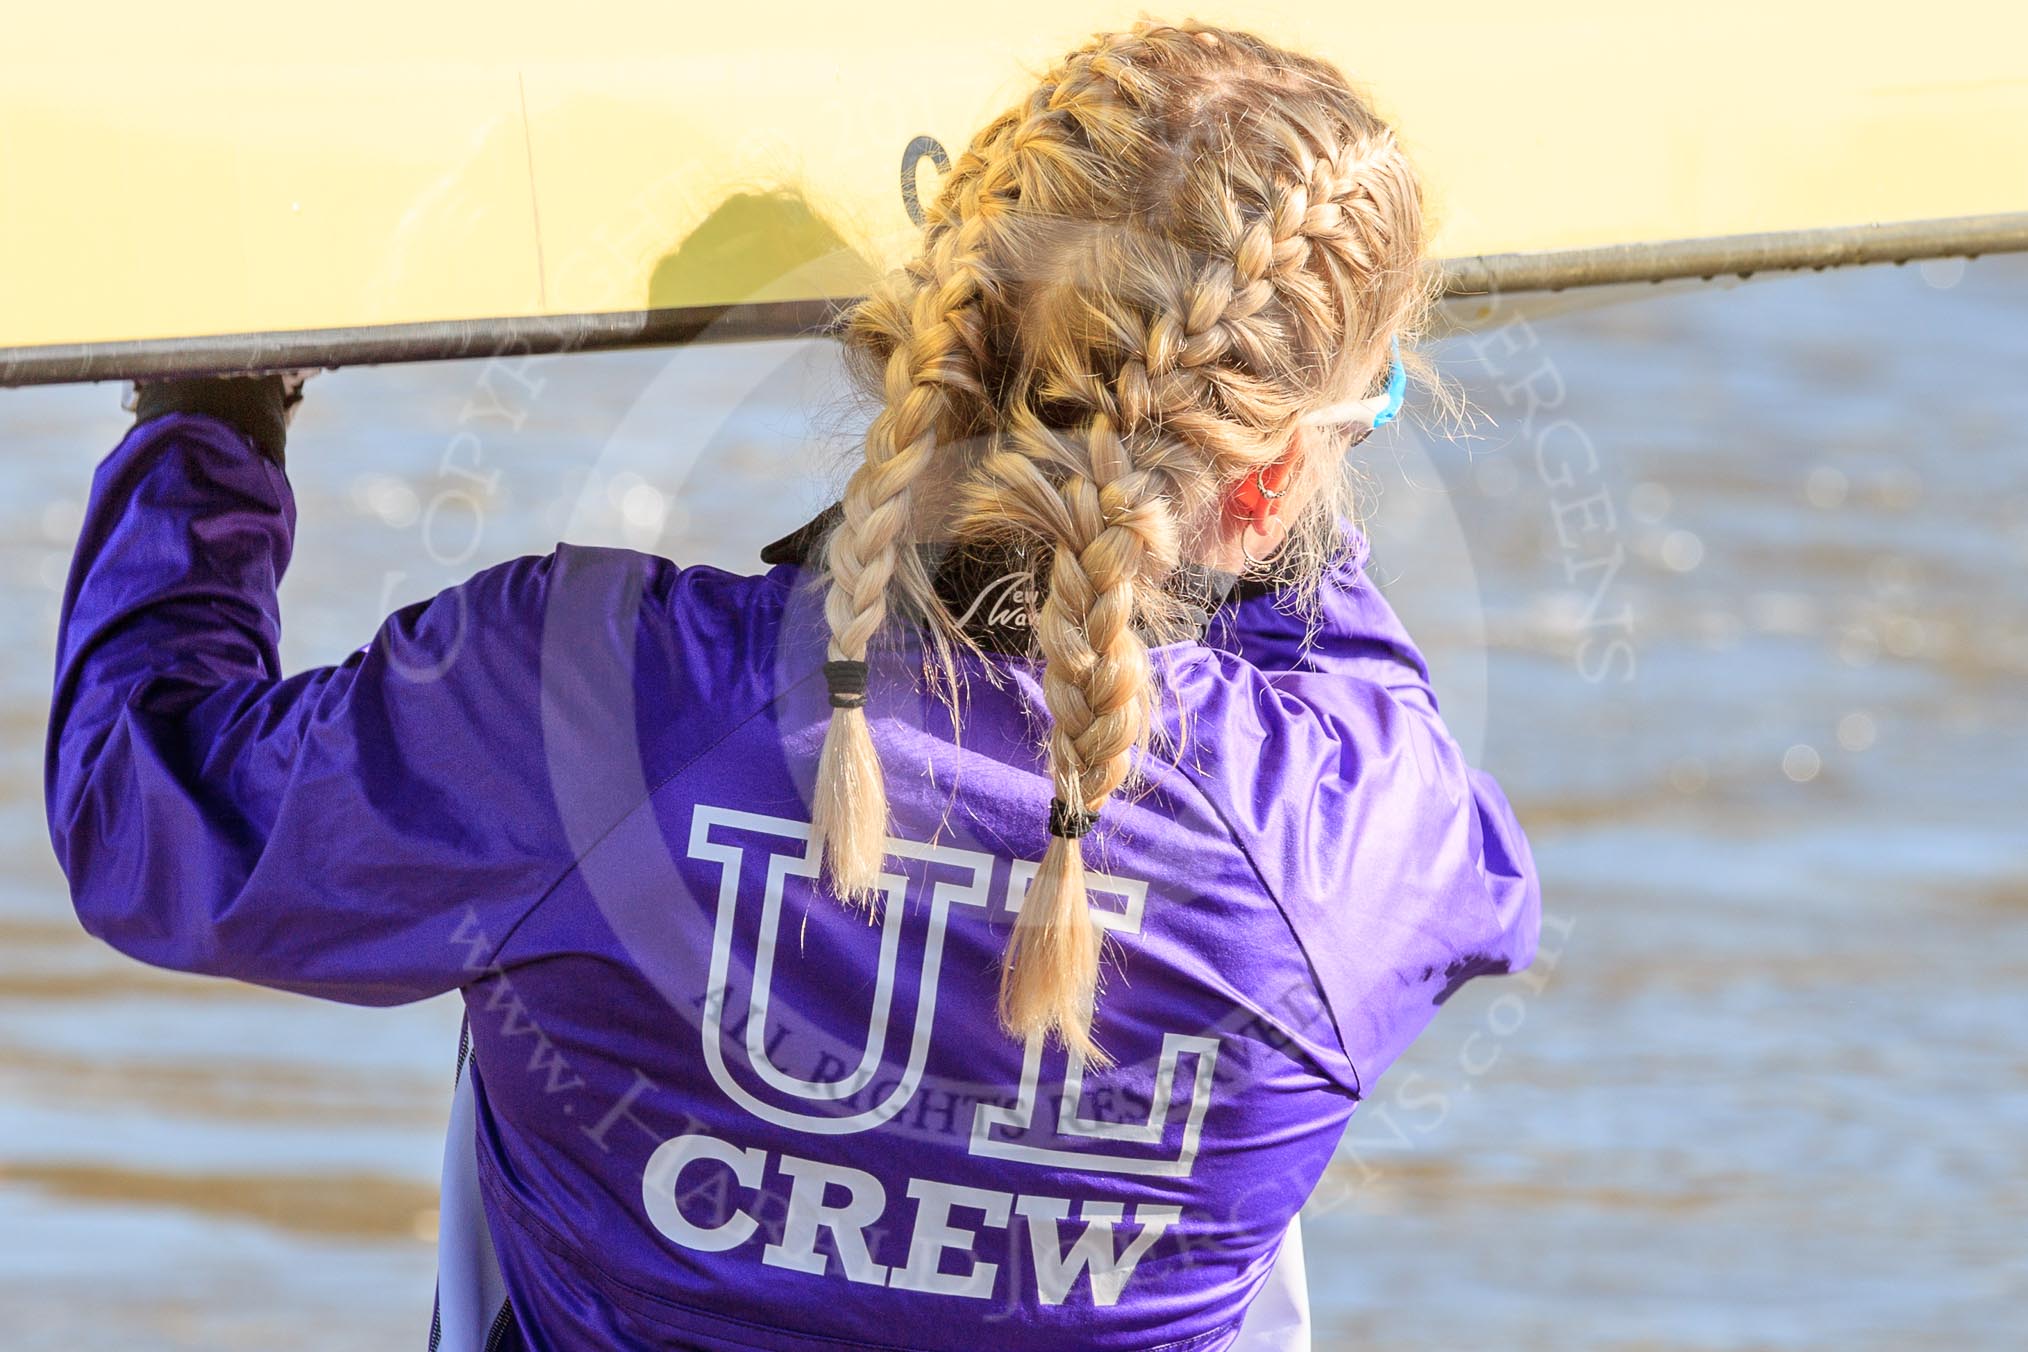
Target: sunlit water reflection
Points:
(1756, 677)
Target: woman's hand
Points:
(292, 389)
(260, 405)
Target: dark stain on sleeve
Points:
(1463, 970)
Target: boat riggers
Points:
(710, 1195)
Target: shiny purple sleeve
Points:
(1356, 632)
(1404, 871)
(367, 832)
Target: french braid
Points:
(1135, 287)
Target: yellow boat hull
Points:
(273, 174)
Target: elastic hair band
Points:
(1068, 822)
(846, 680)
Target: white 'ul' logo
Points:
(972, 874)
(957, 877)
(1005, 1132)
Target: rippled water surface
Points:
(1729, 588)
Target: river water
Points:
(1729, 588)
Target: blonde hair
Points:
(1134, 288)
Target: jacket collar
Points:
(995, 590)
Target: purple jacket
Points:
(715, 1108)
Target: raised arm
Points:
(367, 832)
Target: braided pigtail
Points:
(926, 332)
(1115, 540)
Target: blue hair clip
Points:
(1397, 390)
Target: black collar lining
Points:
(993, 590)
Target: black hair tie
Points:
(1068, 822)
(846, 681)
